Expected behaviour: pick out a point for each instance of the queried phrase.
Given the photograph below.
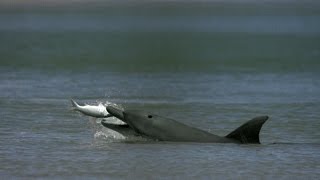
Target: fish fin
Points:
(248, 133)
(74, 104)
(101, 104)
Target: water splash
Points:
(102, 133)
(109, 135)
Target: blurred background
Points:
(161, 35)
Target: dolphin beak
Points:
(116, 112)
(108, 115)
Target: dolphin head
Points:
(138, 117)
(140, 121)
(144, 123)
(116, 112)
(130, 116)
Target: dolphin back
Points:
(248, 133)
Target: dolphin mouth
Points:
(116, 112)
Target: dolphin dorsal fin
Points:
(249, 131)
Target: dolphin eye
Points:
(149, 116)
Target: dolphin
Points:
(123, 129)
(165, 129)
(98, 111)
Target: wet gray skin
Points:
(165, 129)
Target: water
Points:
(210, 65)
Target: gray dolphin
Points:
(123, 129)
(165, 129)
